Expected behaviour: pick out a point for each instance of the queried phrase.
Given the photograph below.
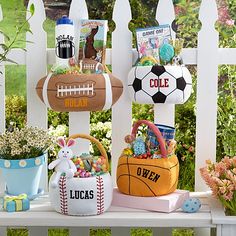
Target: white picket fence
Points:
(207, 56)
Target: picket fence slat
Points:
(37, 231)
(36, 68)
(79, 231)
(2, 109)
(207, 78)
(79, 121)
(36, 59)
(2, 85)
(165, 14)
(3, 231)
(164, 113)
(162, 231)
(121, 64)
(117, 231)
(207, 85)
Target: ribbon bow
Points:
(18, 199)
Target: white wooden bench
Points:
(121, 57)
(42, 215)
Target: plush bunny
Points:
(63, 164)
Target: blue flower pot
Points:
(23, 176)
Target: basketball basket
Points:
(148, 177)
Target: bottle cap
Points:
(64, 20)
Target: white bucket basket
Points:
(159, 84)
(82, 196)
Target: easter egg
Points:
(166, 52)
(191, 205)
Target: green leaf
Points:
(25, 41)
(4, 46)
(32, 9)
(9, 60)
(7, 38)
(29, 30)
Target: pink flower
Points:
(232, 177)
(227, 161)
(220, 168)
(223, 13)
(229, 22)
(221, 177)
(228, 196)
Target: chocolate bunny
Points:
(89, 50)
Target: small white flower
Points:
(37, 161)
(7, 164)
(22, 163)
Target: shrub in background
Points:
(15, 111)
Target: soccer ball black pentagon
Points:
(160, 84)
(137, 84)
(159, 97)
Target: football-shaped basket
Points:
(83, 196)
(159, 84)
(79, 92)
(148, 177)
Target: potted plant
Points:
(221, 178)
(22, 155)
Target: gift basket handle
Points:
(92, 140)
(155, 130)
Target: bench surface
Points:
(42, 214)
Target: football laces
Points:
(65, 90)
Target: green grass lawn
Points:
(14, 14)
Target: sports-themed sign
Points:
(160, 84)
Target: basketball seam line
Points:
(149, 165)
(128, 173)
(138, 179)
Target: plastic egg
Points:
(191, 205)
(166, 52)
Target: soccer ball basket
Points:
(83, 196)
(148, 177)
(171, 84)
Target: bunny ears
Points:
(62, 143)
